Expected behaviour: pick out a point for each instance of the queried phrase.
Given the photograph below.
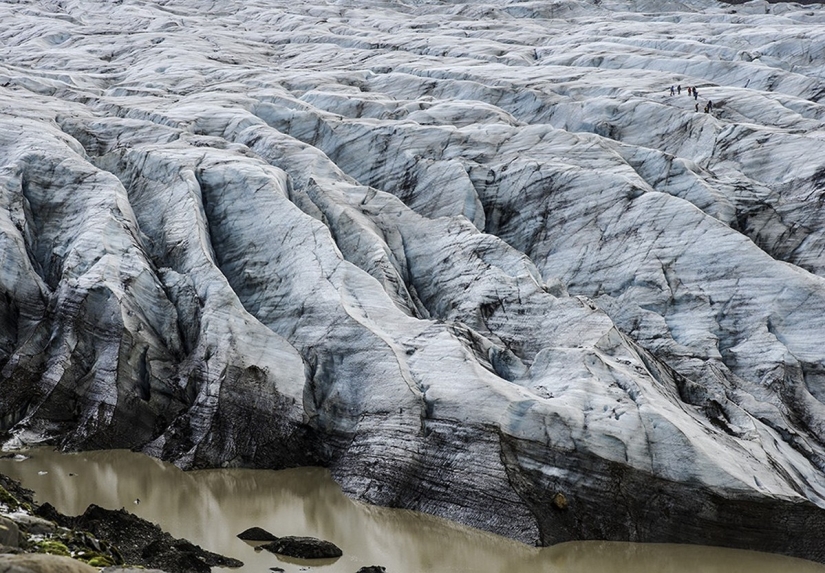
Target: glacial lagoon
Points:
(210, 507)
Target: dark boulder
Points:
(256, 534)
(372, 569)
(48, 511)
(304, 548)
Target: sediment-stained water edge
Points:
(211, 507)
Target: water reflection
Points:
(211, 507)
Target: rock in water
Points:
(472, 260)
(304, 548)
(256, 534)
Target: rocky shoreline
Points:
(37, 538)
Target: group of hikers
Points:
(692, 91)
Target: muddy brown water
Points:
(211, 507)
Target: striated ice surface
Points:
(472, 256)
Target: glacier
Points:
(476, 258)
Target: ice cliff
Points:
(471, 256)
